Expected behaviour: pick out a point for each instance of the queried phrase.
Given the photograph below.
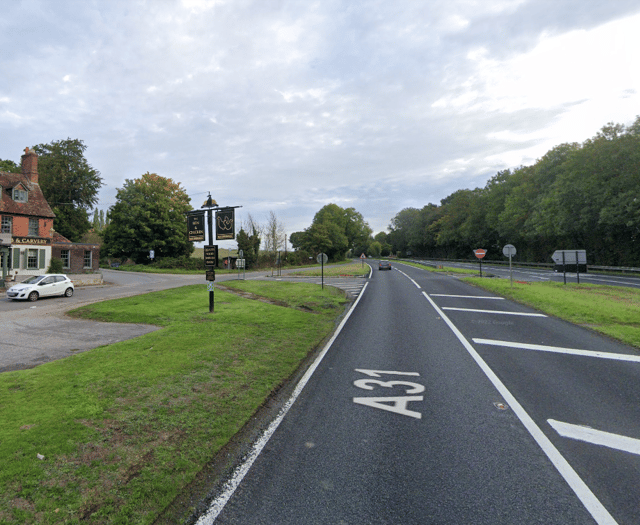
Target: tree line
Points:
(577, 196)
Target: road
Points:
(541, 274)
(438, 403)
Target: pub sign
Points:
(225, 228)
(211, 256)
(195, 226)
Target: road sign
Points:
(509, 250)
(239, 263)
(363, 256)
(480, 253)
(322, 258)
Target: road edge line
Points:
(217, 504)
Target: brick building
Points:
(27, 220)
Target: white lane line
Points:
(415, 283)
(583, 492)
(596, 437)
(216, 506)
(467, 296)
(560, 350)
(491, 312)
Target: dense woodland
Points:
(577, 196)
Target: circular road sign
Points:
(480, 253)
(509, 250)
(322, 258)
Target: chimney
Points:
(30, 165)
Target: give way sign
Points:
(480, 253)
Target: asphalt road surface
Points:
(36, 332)
(439, 403)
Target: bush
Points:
(55, 266)
(183, 263)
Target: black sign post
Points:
(225, 229)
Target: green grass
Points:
(351, 270)
(124, 428)
(611, 310)
(441, 269)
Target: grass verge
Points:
(342, 270)
(611, 310)
(112, 435)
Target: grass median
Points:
(337, 270)
(114, 434)
(611, 310)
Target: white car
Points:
(41, 286)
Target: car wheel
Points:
(33, 296)
(68, 292)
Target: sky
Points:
(285, 106)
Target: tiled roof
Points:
(36, 205)
(56, 238)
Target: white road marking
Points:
(596, 437)
(593, 505)
(216, 506)
(391, 404)
(415, 283)
(467, 296)
(492, 312)
(560, 350)
(380, 373)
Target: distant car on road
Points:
(42, 286)
(384, 265)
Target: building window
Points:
(87, 259)
(7, 224)
(8, 259)
(33, 227)
(20, 195)
(32, 259)
(64, 255)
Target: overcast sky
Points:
(289, 105)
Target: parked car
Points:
(384, 265)
(41, 286)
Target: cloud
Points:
(290, 106)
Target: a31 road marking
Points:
(397, 404)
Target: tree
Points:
(274, 234)
(69, 184)
(250, 245)
(149, 215)
(9, 166)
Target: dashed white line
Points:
(559, 350)
(593, 505)
(500, 312)
(467, 296)
(596, 437)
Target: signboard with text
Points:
(225, 227)
(211, 255)
(195, 226)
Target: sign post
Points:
(362, 258)
(509, 251)
(480, 253)
(322, 259)
(196, 233)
